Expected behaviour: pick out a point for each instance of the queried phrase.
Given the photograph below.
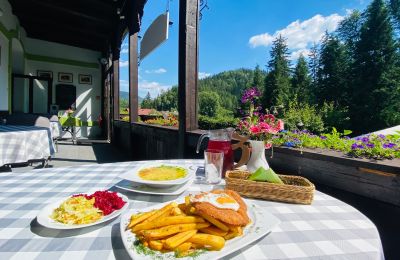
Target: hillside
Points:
(228, 85)
(125, 95)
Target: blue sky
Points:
(236, 34)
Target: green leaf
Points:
(347, 132)
(262, 174)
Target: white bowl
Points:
(133, 175)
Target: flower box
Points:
(377, 179)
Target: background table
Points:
(327, 229)
(56, 129)
(23, 143)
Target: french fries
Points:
(170, 230)
(167, 221)
(181, 229)
(214, 231)
(180, 238)
(215, 222)
(211, 241)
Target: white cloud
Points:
(124, 44)
(124, 50)
(296, 54)
(156, 71)
(155, 88)
(203, 75)
(300, 34)
(123, 63)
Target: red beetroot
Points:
(106, 201)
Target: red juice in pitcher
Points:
(222, 146)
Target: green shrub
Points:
(209, 123)
(334, 116)
(209, 103)
(303, 116)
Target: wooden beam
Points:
(115, 80)
(133, 78)
(69, 10)
(187, 69)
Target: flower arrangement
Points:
(369, 146)
(255, 124)
(170, 120)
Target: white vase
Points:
(257, 157)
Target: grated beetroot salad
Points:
(106, 201)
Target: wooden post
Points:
(188, 69)
(115, 89)
(133, 77)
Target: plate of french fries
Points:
(177, 230)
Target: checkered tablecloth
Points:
(23, 143)
(327, 229)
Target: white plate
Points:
(44, 219)
(262, 224)
(133, 175)
(145, 189)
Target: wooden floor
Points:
(77, 154)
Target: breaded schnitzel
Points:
(237, 217)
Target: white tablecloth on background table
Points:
(20, 144)
(56, 129)
(327, 229)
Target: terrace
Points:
(60, 56)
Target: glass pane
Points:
(40, 94)
(20, 99)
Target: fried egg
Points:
(221, 200)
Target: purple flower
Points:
(369, 145)
(381, 136)
(357, 146)
(323, 137)
(289, 144)
(250, 94)
(365, 139)
(389, 145)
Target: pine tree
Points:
(277, 83)
(375, 69)
(333, 73)
(301, 81)
(313, 65)
(147, 102)
(349, 31)
(258, 78)
(395, 11)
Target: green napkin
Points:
(265, 175)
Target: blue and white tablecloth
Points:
(23, 143)
(327, 229)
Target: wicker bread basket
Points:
(295, 189)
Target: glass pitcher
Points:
(219, 140)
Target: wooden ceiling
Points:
(89, 24)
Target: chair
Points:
(28, 120)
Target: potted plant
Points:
(259, 127)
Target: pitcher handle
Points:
(200, 141)
(245, 149)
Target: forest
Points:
(350, 79)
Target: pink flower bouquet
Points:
(256, 125)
